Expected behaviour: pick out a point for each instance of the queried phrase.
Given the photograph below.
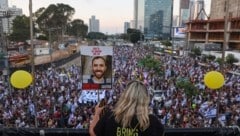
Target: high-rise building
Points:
(218, 8)
(183, 12)
(217, 29)
(158, 18)
(3, 4)
(126, 26)
(93, 24)
(139, 14)
(135, 14)
(184, 4)
(10, 13)
(7, 15)
(196, 7)
(132, 24)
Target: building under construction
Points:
(221, 27)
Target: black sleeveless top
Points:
(107, 126)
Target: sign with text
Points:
(96, 62)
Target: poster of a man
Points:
(96, 67)
(99, 68)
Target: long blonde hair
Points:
(133, 101)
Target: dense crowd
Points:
(57, 100)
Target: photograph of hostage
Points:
(97, 73)
(99, 68)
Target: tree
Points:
(124, 37)
(219, 61)
(54, 16)
(77, 28)
(167, 43)
(150, 63)
(188, 87)
(196, 52)
(230, 59)
(134, 38)
(134, 35)
(20, 29)
(96, 35)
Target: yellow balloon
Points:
(214, 80)
(21, 79)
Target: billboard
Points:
(179, 32)
(96, 63)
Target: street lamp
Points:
(32, 59)
(4, 43)
(50, 42)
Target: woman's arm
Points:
(96, 117)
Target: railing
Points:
(225, 131)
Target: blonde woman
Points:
(129, 117)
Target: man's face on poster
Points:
(99, 67)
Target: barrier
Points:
(225, 131)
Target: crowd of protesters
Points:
(55, 101)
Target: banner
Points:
(88, 96)
(179, 32)
(96, 62)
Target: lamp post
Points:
(226, 9)
(50, 42)
(32, 60)
(4, 43)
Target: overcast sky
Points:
(111, 13)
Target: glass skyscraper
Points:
(157, 18)
(139, 14)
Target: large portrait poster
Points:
(96, 62)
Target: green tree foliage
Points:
(20, 29)
(124, 37)
(96, 35)
(54, 16)
(167, 43)
(189, 88)
(134, 35)
(134, 38)
(219, 61)
(150, 63)
(77, 28)
(196, 52)
(209, 57)
(230, 59)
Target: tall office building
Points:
(126, 26)
(183, 12)
(195, 7)
(10, 13)
(218, 8)
(139, 14)
(7, 15)
(135, 14)
(220, 30)
(3, 4)
(93, 24)
(132, 24)
(158, 18)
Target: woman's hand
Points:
(98, 109)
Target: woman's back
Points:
(107, 126)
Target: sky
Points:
(111, 13)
